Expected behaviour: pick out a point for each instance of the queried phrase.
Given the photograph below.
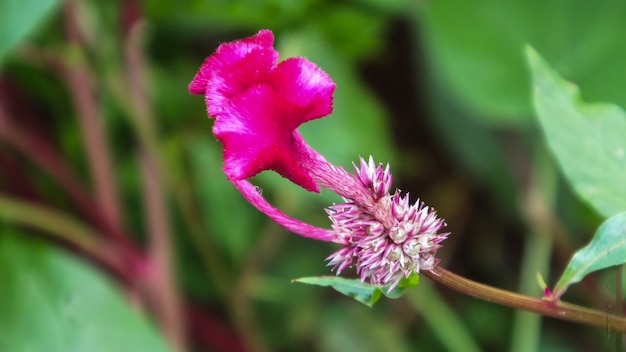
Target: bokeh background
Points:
(119, 232)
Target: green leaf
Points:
(18, 18)
(606, 249)
(474, 48)
(53, 302)
(362, 292)
(588, 140)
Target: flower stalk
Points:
(554, 309)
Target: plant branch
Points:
(44, 155)
(559, 310)
(79, 81)
(162, 286)
(67, 230)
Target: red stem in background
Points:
(162, 286)
(105, 212)
(42, 154)
(79, 81)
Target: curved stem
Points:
(252, 195)
(557, 310)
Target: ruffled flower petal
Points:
(233, 68)
(259, 134)
(304, 85)
(258, 105)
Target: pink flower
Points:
(388, 239)
(258, 105)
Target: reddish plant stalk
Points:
(100, 161)
(559, 310)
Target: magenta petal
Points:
(303, 84)
(259, 134)
(258, 106)
(230, 81)
(236, 65)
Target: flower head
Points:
(258, 105)
(387, 241)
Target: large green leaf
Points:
(606, 249)
(475, 47)
(18, 18)
(588, 140)
(50, 301)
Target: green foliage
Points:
(589, 141)
(475, 46)
(54, 302)
(362, 292)
(436, 88)
(606, 249)
(20, 17)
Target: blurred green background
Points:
(108, 166)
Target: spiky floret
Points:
(386, 241)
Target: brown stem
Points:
(559, 310)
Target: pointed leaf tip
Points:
(606, 249)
